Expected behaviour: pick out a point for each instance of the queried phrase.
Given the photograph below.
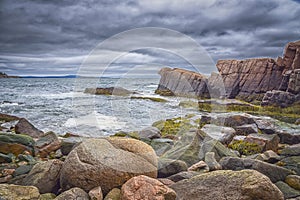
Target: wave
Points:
(102, 122)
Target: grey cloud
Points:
(54, 36)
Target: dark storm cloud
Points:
(54, 37)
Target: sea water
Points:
(60, 104)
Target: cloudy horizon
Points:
(54, 37)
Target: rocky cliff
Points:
(182, 82)
(249, 79)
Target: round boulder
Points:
(107, 163)
(143, 187)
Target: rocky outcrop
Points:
(250, 78)
(26, 128)
(181, 82)
(108, 163)
(118, 91)
(3, 75)
(226, 184)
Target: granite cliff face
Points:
(261, 79)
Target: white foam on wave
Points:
(64, 95)
(8, 104)
(98, 120)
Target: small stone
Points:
(6, 179)
(183, 175)
(73, 193)
(96, 193)
(287, 191)
(201, 166)
(293, 181)
(168, 167)
(23, 169)
(17, 192)
(114, 194)
(268, 156)
(149, 133)
(166, 181)
(8, 172)
(47, 196)
(211, 161)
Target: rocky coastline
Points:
(231, 150)
(3, 75)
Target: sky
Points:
(61, 37)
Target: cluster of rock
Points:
(232, 156)
(274, 82)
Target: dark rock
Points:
(275, 173)
(118, 91)
(142, 187)
(73, 193)
(8, 118)
(150, 133)
(287, 191)
(268, 156)
(23, 169)
(26, 128)
(181, 82)
(69, 143)
(5, 158)
(246, 129)
(183, 175)
(107, 162)
(291, 163)
(293, 150)
(168, 167)
(45, 176)
(288, 138)
(47, 144)
(238, 120)
(226, 184)
(278, 98)
(211, 162)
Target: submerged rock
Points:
(108, 163)
(141, 187)
(226, 184)
(118, 91)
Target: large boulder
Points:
(15, 143)
(73, 193)
(26, 128)
(17, 192)
(143, 187)
(227, 184)
(107, 162)
(274, 172)
(45, 176)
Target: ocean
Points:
(60, 105)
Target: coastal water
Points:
(60, 105)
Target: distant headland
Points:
(3, 75)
